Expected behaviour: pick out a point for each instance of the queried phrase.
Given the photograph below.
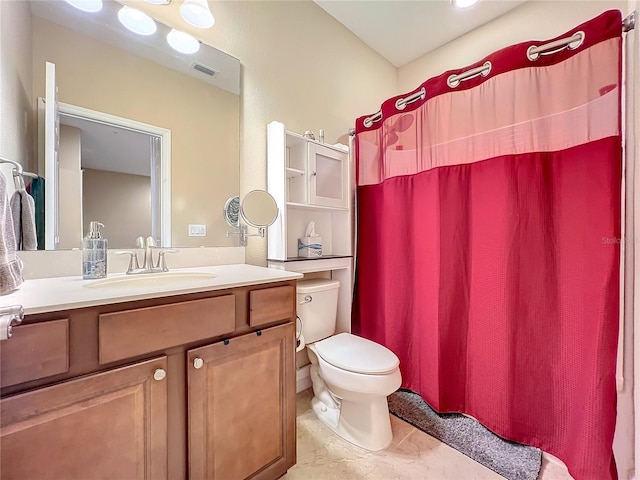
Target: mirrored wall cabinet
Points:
(317, 174)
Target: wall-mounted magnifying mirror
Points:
(258, 209)
(231, 211)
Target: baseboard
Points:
(303, 378)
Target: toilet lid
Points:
(356, 354)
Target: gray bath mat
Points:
(511, 460)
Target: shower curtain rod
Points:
(628, 23)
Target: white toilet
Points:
(351, 376)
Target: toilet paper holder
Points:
(299, 337)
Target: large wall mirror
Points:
(111, 85)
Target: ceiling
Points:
(402, 30)
(111, 148)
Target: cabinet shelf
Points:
(294, 172)
(326, 263)
(306, 206)
(323, 257)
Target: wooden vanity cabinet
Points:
(104, 426)
(213, 400)
(240, 406)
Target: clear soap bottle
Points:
(94, 253)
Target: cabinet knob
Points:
(198, 362)
(159, 374)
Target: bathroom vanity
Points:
(154, 382)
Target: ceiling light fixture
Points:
(197, 13)
(463, 3)
(137, 21)
(182, 42)
(90, 6)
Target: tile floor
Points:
(413, 455)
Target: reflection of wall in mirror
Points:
(205, 144)
(103, 202)
(70, 188)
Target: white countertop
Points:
(63, 293)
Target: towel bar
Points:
(10, 317)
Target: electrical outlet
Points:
(197, 230)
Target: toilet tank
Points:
(317, 302)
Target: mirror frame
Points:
(164, 182)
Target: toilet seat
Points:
(356, 354)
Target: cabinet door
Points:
(328, 176)
(110, 425)
(242, 407)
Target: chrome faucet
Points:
(147, 263)
(148, 244)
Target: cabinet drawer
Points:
(270, 305)
(134, 332)
(35, 351)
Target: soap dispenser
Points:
(94, 253)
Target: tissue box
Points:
(310, 247)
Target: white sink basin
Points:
(152, 280)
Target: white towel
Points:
(10, 265)
(24, 220)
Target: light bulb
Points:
(137, 21)
(197, 13)
(90, 6)
(463, 3)
(182, 42)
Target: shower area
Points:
(496, 234)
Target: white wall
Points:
(303, 68)
(535, 20)
(531, 20)
(15, 83)
(300, 67)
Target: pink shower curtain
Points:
(488, 243)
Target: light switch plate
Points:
(197, 230)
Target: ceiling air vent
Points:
(204, 69)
